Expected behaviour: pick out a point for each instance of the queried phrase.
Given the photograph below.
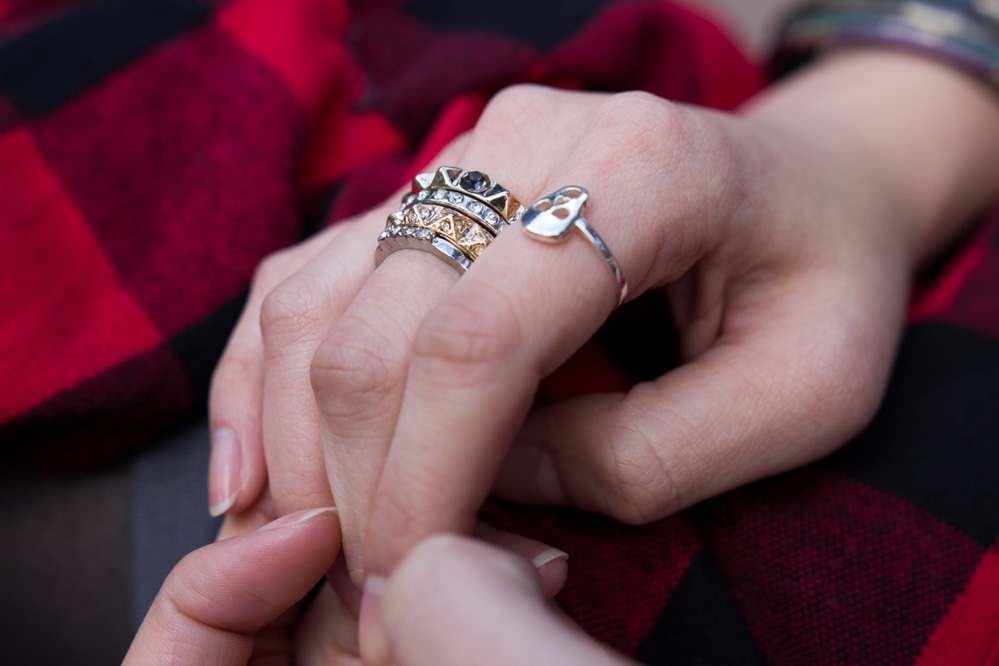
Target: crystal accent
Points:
(440, 194)
(474, 236)
(422, 196)
(461, 225)
(474, 181)
(444, 224)
(475, 207)
(492, 218)
(455, 198)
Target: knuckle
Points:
(844, 388)
(470, 335)
(349, 373)
(290, 311)
(275, 267)
(641, 484)
(234, 366)
(512, 108)
(640, 127)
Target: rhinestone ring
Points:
(552, 218)
(453, 214)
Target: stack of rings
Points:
(455, 214)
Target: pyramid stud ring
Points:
(453, 214)
(552, 218)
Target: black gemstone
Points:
(474, 181)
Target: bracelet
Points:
(964, 33)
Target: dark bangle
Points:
(958, 32)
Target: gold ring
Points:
(452, 213)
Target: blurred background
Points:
(752, 20)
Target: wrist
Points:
(914, 142)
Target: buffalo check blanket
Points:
(153, 151)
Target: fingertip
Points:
(553, 569)
(340, 582)
(529, 474)
(375, 650)
(224, 472)
(300, 518)
(551, 563)
(237, 471)
(455, 600)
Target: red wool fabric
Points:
(153, 153)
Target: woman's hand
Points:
(228, 602)
(454, 601)
(237, 601)
(784, 239)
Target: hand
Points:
(453, 601)
(784, 239)
(237, 601)
(228, 602)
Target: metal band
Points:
(412, 238)
(550, 220)
(964, 33)
(591, 235)
(452, 213)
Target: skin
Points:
(784, 237)
(229, 603)
(430, 613)
(236, 602)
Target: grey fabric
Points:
(168, 513)
(81, 558)
(64, 595)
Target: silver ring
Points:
(453, 214)
(552, 218)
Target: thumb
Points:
(456, 601)
(218, 596)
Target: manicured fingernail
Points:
(550, 555)
(374, 644)
(223, 472)
(299, 518)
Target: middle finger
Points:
(522, 310)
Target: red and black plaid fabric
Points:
(153, 151)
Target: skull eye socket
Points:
(561, 213)
(572, 193)
(543, 205)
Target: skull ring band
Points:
(552, 218)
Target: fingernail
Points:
(550, 482)
(374, 644)
(338, 578)
(299, 518)
(223, 472)
(550, 555)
